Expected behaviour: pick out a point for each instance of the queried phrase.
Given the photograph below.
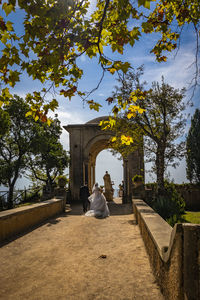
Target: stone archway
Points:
(86, 141)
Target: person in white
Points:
(98, 205)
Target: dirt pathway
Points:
(78, 257)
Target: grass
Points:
(191, 217)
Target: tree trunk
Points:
(10, 196)
(160, 168)
(12, 183)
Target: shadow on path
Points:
(72, 257)
(116, 208)
(49, 222)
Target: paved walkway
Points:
(74, 257)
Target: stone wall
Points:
(174, 253)
(20, 219)
(190, 194)
(191, 197)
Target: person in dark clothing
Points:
(84, 194)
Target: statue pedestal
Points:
(108, 195)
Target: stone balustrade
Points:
(20, 219)
(174, 253)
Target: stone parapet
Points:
(174, 253)
(18, 220)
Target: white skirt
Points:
(98, 206)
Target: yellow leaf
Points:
(48, 122)
(133, 98)
(126, 139)
(29, 113)
(36, 118)
(131, 114)
(141, 110)
(133, 108)
(1, 103)
(112, 122)
(114, 139)
(112, 70)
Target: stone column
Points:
(94, 179)
(125, 193)
(85, 173)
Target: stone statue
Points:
(108, 187)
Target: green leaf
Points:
(147, 27)
(53, 104)
(125, 66)
(145, 3)
(5, 93)
(9, 26)
(5, 37)
(7, 8)
(94, 105)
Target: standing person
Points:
(123, 189)
(120, 190)
(84, 194)
(98, 205)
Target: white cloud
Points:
(178, 174)
(141, 59)
(68, 118)
(72, 117)
(177, 71)
(107, 162)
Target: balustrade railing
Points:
(19, 196)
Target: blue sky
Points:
(177, 72)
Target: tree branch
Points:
(101, 24)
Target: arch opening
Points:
(106, 161)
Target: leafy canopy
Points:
(15, 144)
(28, 145)
(56, 33)
(48, 159)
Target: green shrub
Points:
(62, 180)
(169, 206)
(152, 186)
